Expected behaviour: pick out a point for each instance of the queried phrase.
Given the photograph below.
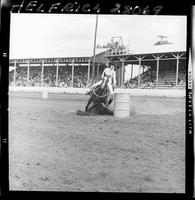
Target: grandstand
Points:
(166, 66)
(159, 67)
(53, 72)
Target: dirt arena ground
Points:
(51, 148)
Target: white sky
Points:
(64, 35)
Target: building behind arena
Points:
(163, 66)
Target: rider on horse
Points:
(111, 74)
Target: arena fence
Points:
(133, 92)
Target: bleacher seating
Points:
(49, 76)
(167, 79)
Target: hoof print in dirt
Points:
(44, 179)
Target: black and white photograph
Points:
(97, 103)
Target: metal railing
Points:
(110, 52)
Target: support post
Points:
(15, 73)
(123, 72)
(98, 69)
(157, 67)
(177, 66)
(72, 84)
(28, 72)
(95, 36)
(88, 73)
(157, 71)
(131, 71)
(42, 72)
(139, 80)
(119, 77)
(177, 70)
(122, 76)
(57, 69)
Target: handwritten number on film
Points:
(137, 10)
(35, 6)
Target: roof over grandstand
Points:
(160, 49)
(67, 35)
(153, 49)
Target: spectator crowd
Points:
(49, 77)
(147, 79)
(166, 79)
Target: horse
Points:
(99, 95)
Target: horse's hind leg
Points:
(93, 106)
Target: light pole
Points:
(93, 67)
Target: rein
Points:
(104, 86)
(98, 95)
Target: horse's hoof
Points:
(87, 113)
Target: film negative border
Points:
(76, 7)
(191, 90)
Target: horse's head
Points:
(99, 93)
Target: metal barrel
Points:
(45, 94)
(121, 105)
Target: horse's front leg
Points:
(89, 102)
(86, 107)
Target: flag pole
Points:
(94, 47)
